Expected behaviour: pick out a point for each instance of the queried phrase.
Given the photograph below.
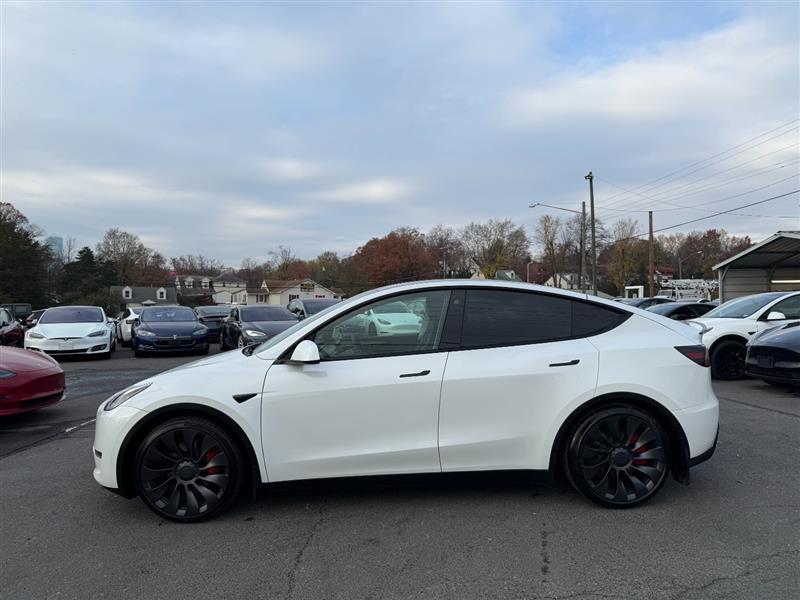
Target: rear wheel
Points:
(727, 360)
(617, 457)
(188, 469)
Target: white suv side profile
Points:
(730, 326)
(497, 376)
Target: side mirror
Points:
(776, 316)
(135, 322)
(306, 352)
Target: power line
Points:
(722, 212)
(695, 207)
(728, 170)
(710, 158)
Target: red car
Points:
(28, 381)
(11, 332)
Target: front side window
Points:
(789, 307)
(386, 327)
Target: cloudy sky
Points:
(230, 129)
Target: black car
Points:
(311, 306)
(774, 355)
(644, 303)
(212, 317)
(680, 311)
(254, 324)
(168, 329)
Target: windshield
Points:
(171, 313)
(314, 306)
(213, 311)
(266, 313)
(741, 308)
(72, 314)
(392, 308)
(662, 309)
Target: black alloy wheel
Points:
(618, 457)
(727, 360)
(188, 469)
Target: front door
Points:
(371, 405)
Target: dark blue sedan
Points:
(168, 329)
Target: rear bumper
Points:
(700, 425)
(700, 458)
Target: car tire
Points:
(240, 341)
(727, 360)
(188, 469)
(617, 456)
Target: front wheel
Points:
(617, 457)
(188, 469)
(727, 360)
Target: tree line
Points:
(30, 272)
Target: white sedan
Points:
(73, 330)
(730, 326)
(498, 376)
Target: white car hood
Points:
(726, 322)
(71, 330)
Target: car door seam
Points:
(439, 413)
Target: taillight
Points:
(697, 354)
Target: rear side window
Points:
(506, 318)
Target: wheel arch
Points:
(679, 446)
(728, 337)
(127, 453)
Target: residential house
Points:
(128, 295)
(281, 292)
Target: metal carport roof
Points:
(779, 250)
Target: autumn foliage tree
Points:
(402, 255)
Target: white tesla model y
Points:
(497, 376)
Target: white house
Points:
(228, 287)
(281, 292)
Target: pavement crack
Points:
(298, 559)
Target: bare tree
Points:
(622, 259)
(196, 264)
(549, 237)
(496, 244)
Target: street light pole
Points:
(590, 177)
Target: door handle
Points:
(566, 364)
(420, 374)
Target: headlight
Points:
(97, 334)
(126, 394)
(35, 336)
(5, 374)
(254, 333)
(145, 333)
(201, 331)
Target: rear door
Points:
(521, 361)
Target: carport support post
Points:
(650, 267)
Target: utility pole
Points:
(590, 177)
(650, 267)
(581, 266)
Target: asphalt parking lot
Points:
(733, 533)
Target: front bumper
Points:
(111, 429)
(72, 346)
(788, 376)
(172, 344)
